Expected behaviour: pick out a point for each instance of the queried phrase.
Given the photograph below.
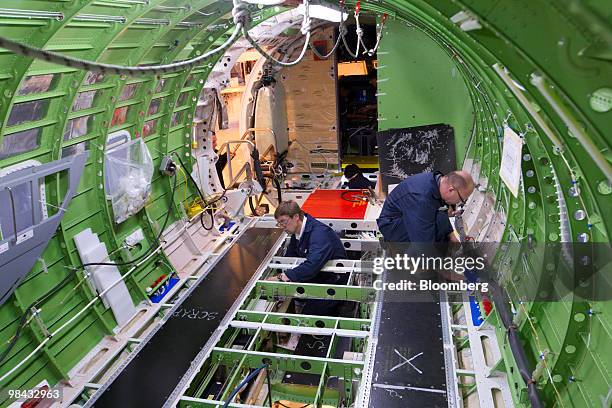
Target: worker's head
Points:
(352, 170)
(456, 187)
(289, 216)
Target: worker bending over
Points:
(418, 208)
(355, 178)
(318, 243)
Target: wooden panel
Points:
(311, 104)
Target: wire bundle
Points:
(241, 17)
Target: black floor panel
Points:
(151, 377)
(409, 331)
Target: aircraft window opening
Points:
(19, 143)
(84, 100)
(93, 78)
(149, 128)
(75, 149)
(128, 91)
(78, 127)
(27, 112)
(182, 99)
(120, 116)
(154, 106)
(177, 119)
(160, 85)
(36, 84)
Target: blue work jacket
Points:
(413, 212)
(360, 182)
(318, 244)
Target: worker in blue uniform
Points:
(355, 178)
(318, 243)
(418, 208)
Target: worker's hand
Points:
(453, 211)
(279, 277)
(452, 237)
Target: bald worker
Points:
(417, 209)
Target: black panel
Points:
(405, 152)
(408, 329)
(151, 377)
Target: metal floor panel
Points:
(409, 368)
(152, 375)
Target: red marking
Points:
(487, 306)
(341, 204)
(358, 7)
(384, 18)
(161, 278)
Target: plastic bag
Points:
(128, 173)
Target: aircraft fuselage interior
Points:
(306, 203)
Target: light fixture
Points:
(355, 68)
(30, 14)
(323, 11)
(152, 21)
(99, 17)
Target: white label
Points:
(135, 237)
(510, 168)
(4, 247)
(25, 236)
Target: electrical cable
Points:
(347, 48)
(161, 231)
(206, 203)
(241, 17)
(278, 190)
(379, 35)
(16, 336)
(190, 177)
(286, 406)
(277, 185)
(356, 198)
(306, 30)
(358, 31)
(267, 56)
(252, 207)
(242, 384)
(499, 295)
(212, 218)
(341, 32)
(269, 386)
(240, 9)
(180, 170)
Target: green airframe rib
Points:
(567, 41)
